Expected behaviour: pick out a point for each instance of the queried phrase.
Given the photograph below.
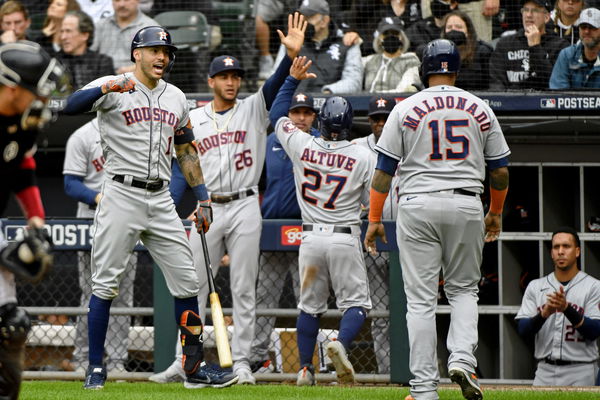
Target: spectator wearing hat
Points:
(279, 202)
(424, 31)
(14, 22)
(578, 66)
(391, 68)
(564, 19)
(474, 54)
(378, 267)
(338, 66)
(524, 59)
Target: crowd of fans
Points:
(356, 46)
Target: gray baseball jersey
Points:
(332, 181)
(83, 157)
(435, 132)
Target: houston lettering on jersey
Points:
(447, 102)
(329, 159)
(98, 163)
(143, 114)
(220, 139)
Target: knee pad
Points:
(191, 341)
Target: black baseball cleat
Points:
(95, 377)
(262, 367)
(209, 376)
(468, 382)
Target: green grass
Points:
(54, 390)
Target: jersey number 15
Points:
(449, 126)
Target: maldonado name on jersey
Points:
(447, 102)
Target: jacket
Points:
(86, 67)
(398, 74)
(572, 72)
(475, 76)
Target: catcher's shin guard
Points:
(191, 341)
(14, 326)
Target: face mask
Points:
(459, 38)
(391, 43)
(439, 9)
(310, 32)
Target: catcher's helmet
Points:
(27, 65)
(154, 36)
(441, 56)
(335, 118)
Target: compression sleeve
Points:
(283, 100)
(178, 183)
(75, 189)
(590, 329)
(272, 85)
(82, 100)
(530, 326)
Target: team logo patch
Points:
(548, 103)
(291, 235)
(300, 98)
(289, 127)
(162, 35)
(444, 66)
(381, 103)
(10, 151)
(228, 62)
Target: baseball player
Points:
(443, 137)
(562, 310)
(380, 108)
(142, 121)
(83, 172)
(28, 77)
(231, 138)
(332, 179)
(279, 202)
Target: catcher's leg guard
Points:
(191, 341)
(14, 326)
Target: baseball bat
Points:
(221, 338)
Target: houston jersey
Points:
(232, 145)
(557, 338)
(390, 207)
(137, 128)
(332, 178)
(84, 158)
(442, 137)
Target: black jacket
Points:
(476, 75)
(87, 67)
(422, 32)
(515, 65)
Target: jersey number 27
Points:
(336, 180)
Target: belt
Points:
(336, 229)
(149, 186)
(465, 192)
(223, 199)
(550, 361)
(92, 207)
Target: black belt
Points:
(222, 199)
(336, 229)
(548, 360)
(149, 186)
(464, 192)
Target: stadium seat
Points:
(188, 29)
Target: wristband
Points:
(572, 315)
(497, 200)
(376, 208)
(200, 192)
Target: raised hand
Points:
(295, 36)
(299, 69)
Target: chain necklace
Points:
(214, 117)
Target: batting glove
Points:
(122, 84)
(204, 216)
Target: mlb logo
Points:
(548, 103)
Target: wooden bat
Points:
(221, 338)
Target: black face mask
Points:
(310, 32)
(459, 38)
(391, 43)
(439, 9)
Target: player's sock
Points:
(350, 325)
(189, 303)
(99, 311)
(307, 329)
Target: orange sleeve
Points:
(497, 200)
(376, 205)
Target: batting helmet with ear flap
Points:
(441, 56)
(154, 36)
(335, 118)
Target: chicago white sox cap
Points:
(590, 16)
(225, 63)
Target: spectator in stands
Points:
(114, 35)
(268, 11)
(481, 13)
(430, 28)
(50, 37)
(391, 69)
(524, 59)
(338, 66)
(14, 22)
(564, 17)
(409, 11)
(76, 35)
(578, 66)
(97, 9)
(474, 54)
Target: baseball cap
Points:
(225, 63)
(381, 105)
(390, 24)
(308, 8)
(543, 3)
(590, 16)
(302, 100)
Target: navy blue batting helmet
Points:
(335, 118)
(154, 36)
(441, 56)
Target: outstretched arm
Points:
(282, 102)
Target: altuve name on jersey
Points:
(447, 102)
(329, 159)
(140, 114)
(220, 139)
